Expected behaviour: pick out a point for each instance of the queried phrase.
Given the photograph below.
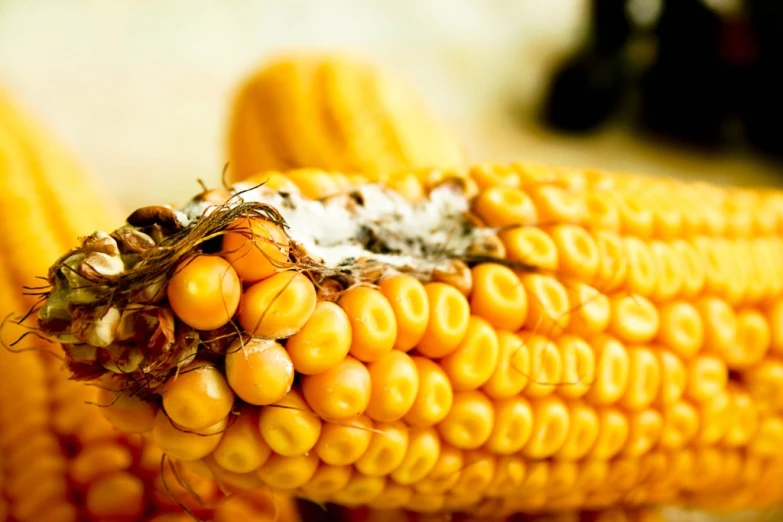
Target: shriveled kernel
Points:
(611, 372)
(259, 371)
(548, 306)
(341, 393)
(472, 363)
(278, 306)
(498, 296)
(323, 342)
(582, 432)
(343, 443)
(644, 431)
(512, 372)
(204, 292)
(513, 426)
(634, 318)
(387, 449)
(255, 247)
(242, 449)
(707, 376)
(408, 299)
(577, 250)
(612, 434)
(184, 444)
(394, 386)
(420, 457)
(530, 246)
(642, 267)
(197, 396)
(448, 321)
(469, 423)
(289, 426)
(434, 397)
(590, 310)
(372, 320)
(501, 206)
(546, 365)
(551, 422)
(578, 361)
(288, 472)
(644, 379)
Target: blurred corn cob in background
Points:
(59, 459)
(333, 112)
(514, 339)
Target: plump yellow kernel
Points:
(714, 419)
(204, 292)
(551, 422)
(562, 478)
(259, 371)
(692, 264)
(444, 474)
(577, 250)
(273, 180)
(278, 306)
(469, 423)
(644, 379)
(669, 269)
(197, 396)
(289, 426)
(448, 321)
(117, 496)
(513, 426)
(557, 205)
(752, 340)
(288, 473)
(634, 318)
(592, 475)
(97, 460)
(644, 431)
(420, 457)
(612, 434)
(636, 216)
(341, 393)
(501, 206)
(512, 371)
(125, 412)
(590, 310)
(395, 385)
(579, 367)
(613, 271)
(488, 176)
(764, 382)
(387, 449)
(498, 296)
(477, 474)
(582, 432)
(434, 397)
(548, 306)
(745, 418)
(361, 489)
(768, 438)
(473, 362)
(393, 497)
(323, 342)
(707, 376)
(611, 373)
(408, 299)
(406, 184)
(673, 377)
(181, 443)
(313, 183)
(255, 247)
(530, 246)
(509, 475)
(242, 449)
(774, 315)
(546, 365)
(342, 443)
(327, 480)
(681, 328)
(642, 267)
(602, 210)
(373, 324)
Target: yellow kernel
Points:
(546, 365)
(118, 496)
(420, 457)
(636, 216)
(551, 422)
(342, 444)
(323, 342)
(469, 423)
(361, 489)
(673, 377)
(477, 474)
(707, 376)
(445, 473)
(395, 386)
(408, 299)
(590, 310)
(197, 396)
(448, 321)
(313, 183)
(242, 449)
(692, 265)
(613, 270)
(372, 320)
(259, 371)
(578, 252)
(611, 374)
(255, 247)
(340, 393)
(393, 497)
(612, 434)
(513, 426)
(126, 413)
(644, 431)
(602, 210)
(634, 318)
(204, 292)
(434, 397)
(557, 205)
(714, 419)
(498, 296)
(289, 426)
(501, 206)
(752, 340)
(644, 379)
(530, 246)
(288, 473)
(512, 370)
(387, 450)
(474, 360)
(681, 328)
(745, 419)
(548, 309)
(578, 361)
(488, 176)
(327, 480)
(97, 460)
(184, 444)
(642, 267)
(278, 306)
(764, 382)
(509, 475)
(582, 432)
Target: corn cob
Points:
(332, 112)
(59, 459)
(523, 339)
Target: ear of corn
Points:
(333, 112)
(554, 358)
(60, 460)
